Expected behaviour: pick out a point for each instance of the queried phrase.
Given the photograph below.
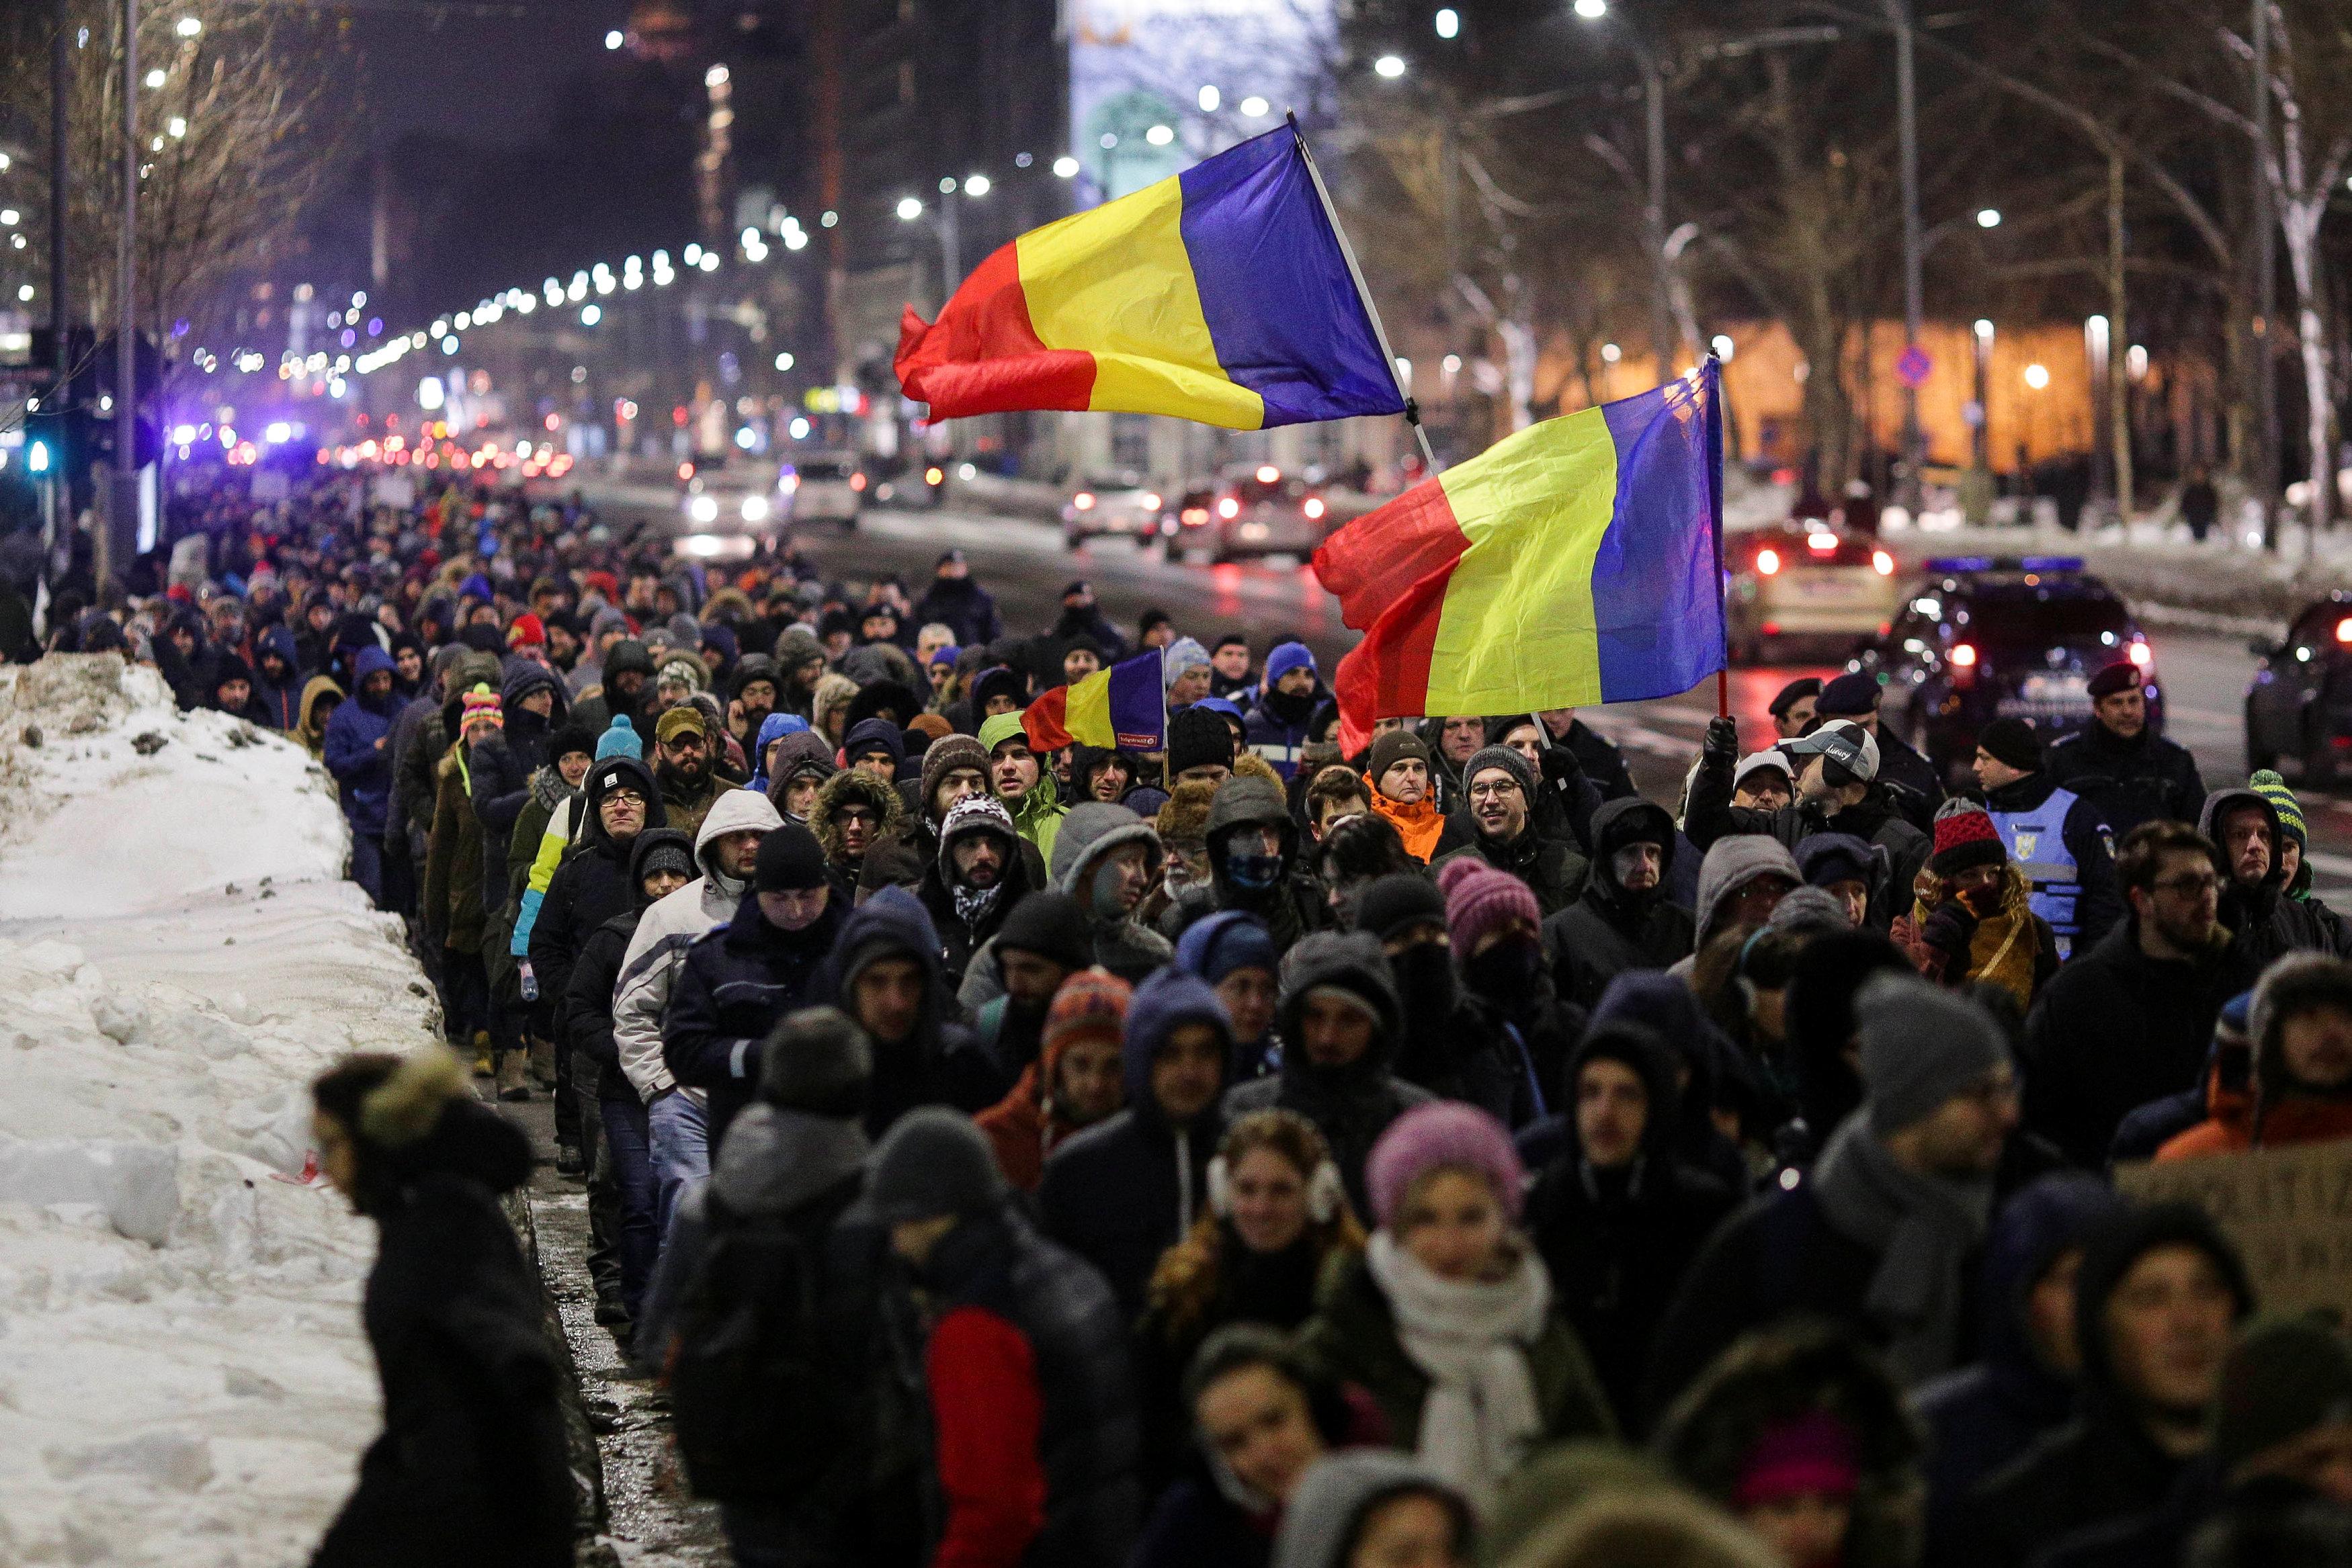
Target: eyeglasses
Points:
(625, 798)
(858, 815)
(1491, 790)
(2189, 886)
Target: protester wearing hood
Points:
(956, 601)
(320, 697)
(1017, 778)
(1741, 883)
(1847, 869)
(1276, 727)
(1035, 1433)
(1365, 1507)
(531, 703)
(976, 881)
(1838, 791)
(1797, 1432)
(1447, 1044)
(2022, 1384)
(767, 745)
(1120, 1194)
(1234, 953)
(356, 739)
(472, 1465)
(738, 982)
(800, 664)
(1339, 1020)
(1106, 858)
(876, 747)
(727, 848)
(1404, 793)
(1623, 920)
(1075, 1082)
(181, 656)
(2136, 775)
(1251, 840)
(1448, 1318)
(2256, 907)
(1496, 825)
(2301, 1030)
(856, 813)
(2294, 856)
(1882, 1233)
(1972, 920)
(2130, 1021)
(626, 691)
(802, 762)
(1716, 1077)
(277, 678)
(2155, 1302)
(885, 972)
(1617, 1215)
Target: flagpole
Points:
(1348, 252)
(1713, 380)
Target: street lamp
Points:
(615, 38)
(1389, 66)
(1592, 10)
(909, 210)
(976, 185)
(1065, 167)
(1210, 99)
(1448, 22)
(1988, 217)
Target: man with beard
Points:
(2131, 1019)
(1499, 793)
(2146, 777)
(628, 674)
(976, 883)
(1042, 942)
(855, 813)
(748, 704)
(689, 783)
(1075, 1082)
(2254, 905)
(1276, 727)
(1623, 920)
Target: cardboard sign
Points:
(2288, 1211)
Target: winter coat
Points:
(1292, 906)
(960, 938)
(503, 764)
(2116, 1029)
(1599, 760)
(1552, 868)
(940, 1063)
(1032, 1402)
(850, 786)
(598, 712)
(1900, 765)
(964, 607)
(1092, 829)
(309, 730)
(736, 985)
(1983, 1416)
(2144, 780)
(2268, 924)
(1276, 728)
(591, 883)
(1607, 930)
(1193, 1523)
(279, 701)
(453, 863)
(1123, 1192)
(649, 967)
(1617, 1243)
(1353, 1337)
(1352, 1106)
(362, 768)
(472, 1467)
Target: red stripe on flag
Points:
(1389, 568)
(982, 356)
(1386, 675)
(1045, 720)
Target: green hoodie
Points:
(1038, 816)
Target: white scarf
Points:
(1472, 1340)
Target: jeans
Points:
(628, 1145)
(679, 1136)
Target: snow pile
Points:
(182, 1378)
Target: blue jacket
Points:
(1121, 1193)
(737, 984)
(361, 766)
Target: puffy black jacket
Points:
(593, 882)
(2267, 923)
(2143, 779)
(736, 985)
(941, 1062)
(1608, 930)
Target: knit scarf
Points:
(1421, 824)
(1472, 1339)
(972, 904)
(2003, 948)
(1922, 1228)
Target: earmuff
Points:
(1325, 1191)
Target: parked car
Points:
(2299, 703)
(1805, 586)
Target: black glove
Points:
(1949, 929)
(1561, 767)
(1722, 739)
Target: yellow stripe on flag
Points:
(1087, 718)
(1518, 614)
(1116, 281)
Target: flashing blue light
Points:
(1960, 563)
(36, 457)
(2052, 563)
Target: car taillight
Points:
(857, 481)
(1881, 563)
(1194, 516)
(1821, 544)
(2344, 630)
(1229, 507)
(1314, 506)
(1768, 561)
(2143, 656)
(1150, 502)
(1963, 655)
(1083, 502)
(685, 472)
(934, 474)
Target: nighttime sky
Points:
(482, 72)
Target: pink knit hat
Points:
(1440, 1135)
(1481, 899)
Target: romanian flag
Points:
(1221, 294)
(1576, 561)
(1125, 707)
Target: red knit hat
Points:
(1478, 902)
(1092, 1002)
(1965, 837)
(527, 632)
(1814, 1452)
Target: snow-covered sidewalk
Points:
(182, 1378)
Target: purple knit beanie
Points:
(1438, 1135)
(1481, 900)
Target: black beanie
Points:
(1052, 924)
(1399, 899)
(1197, 737)
(818, 1060)
(2012, 741)
(791, 861)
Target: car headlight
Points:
(703, 509)
(755, 508)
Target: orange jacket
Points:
(2294, 1120)
(1421, 825)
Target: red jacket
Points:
(988, 1414)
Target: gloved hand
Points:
(1722, 739)
(1949, 930)
(1561, 767)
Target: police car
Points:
(1985, 637)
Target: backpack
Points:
(755, 1386)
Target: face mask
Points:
(1256, 873)
(1425, 977)
(1506, 970)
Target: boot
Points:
(567, 1158)
(482, 1065)
(542, 1063)
(514, 1077)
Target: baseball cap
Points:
(1769, 759)
(1849, 745)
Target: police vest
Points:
(2036, 840)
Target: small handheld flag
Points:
(1125, 707)
(1576, 561)
(1221, 294)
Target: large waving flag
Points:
(1221, 294)
(1125, 707)
(1576, 561)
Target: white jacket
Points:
(641, 995)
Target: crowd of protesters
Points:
(1250, 1153)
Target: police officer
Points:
(2058, 837)
(2149, 778)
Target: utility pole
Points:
(2266, 459)
(60, 86)
(122, 514)
(1907, 93)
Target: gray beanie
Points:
(1511, 761)
(818, 1060)
(932, 1162)
(1920, 1047)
